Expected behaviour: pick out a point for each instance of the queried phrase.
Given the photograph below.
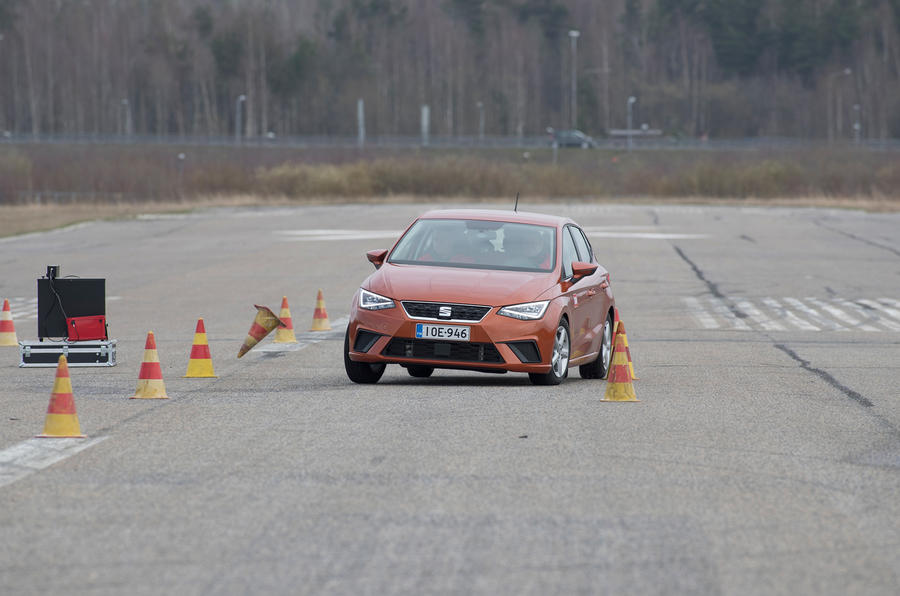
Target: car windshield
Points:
(477, 244)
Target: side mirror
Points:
(376, 257)
(580, 269)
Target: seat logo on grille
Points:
(445, 312)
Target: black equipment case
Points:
(45, 354)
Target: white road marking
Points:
(306, 339)
(648, 235)
(335, 235)
(726, 313)
(788, 316)
(885, 309)
(868, 314)
(762, 320)
(33, 455)
(25, 309)
(814, 315)
(841, 315)
(697, 311)
(785, 313)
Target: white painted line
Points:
(841, 315)
(788, 316)
(649, 236)
(706, 320)
(885, 309)
(33, 455)
(306, 339)
(814, 315)
(868, 315)
(723, 311)
(761, 319)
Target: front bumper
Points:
(496, 343)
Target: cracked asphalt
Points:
(763, 457)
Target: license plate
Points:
(445, 332)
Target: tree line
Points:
(827, 69)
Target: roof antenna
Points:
(516, 208)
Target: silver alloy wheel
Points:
(559, 361)
(607, 344)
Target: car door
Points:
(593, 297)
(577, 293)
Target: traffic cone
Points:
(61, 421)
(262, 325)
(320, 316)
(7, 329)
(285, 335)
(620, 330)
(150, 380)
(618, 383)
(200, 365)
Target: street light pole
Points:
(857, 127)
(631, 100)
(238, 128)
(573, 36)
(828, 100)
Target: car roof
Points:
(498, 215)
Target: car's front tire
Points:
(360, 372)
(559, 358)
(419, 371)
(599, 368)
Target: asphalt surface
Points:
(763, 457)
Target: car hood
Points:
(451, 284)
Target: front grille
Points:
(459, 312)
(441, 350)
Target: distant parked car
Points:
(573, 138)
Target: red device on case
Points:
(86, 328)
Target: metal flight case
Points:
(38, 354)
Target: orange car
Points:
(489, 291)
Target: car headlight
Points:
(372, 301)
(529, 311)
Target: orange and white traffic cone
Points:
(618, 383)
(200, 364)
(285, 335)
(320, 316)
(7, 328)
(61, 421)
(150, 380)
(262, 325)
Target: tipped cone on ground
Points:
(150, 380)
(285, 335)
(620, 330)
(200, 365)
(7, 328)
(618, 383)
(61, 421)
(320, 316)
(262, 325)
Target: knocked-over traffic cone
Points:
(320, 316)
(200, 364)
(285, 335)
(61, 421)
(150, 380)
(620, 330)
(262, 325)
(7, 329)
(618, 383)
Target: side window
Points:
(581, 243)
(569, 253)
